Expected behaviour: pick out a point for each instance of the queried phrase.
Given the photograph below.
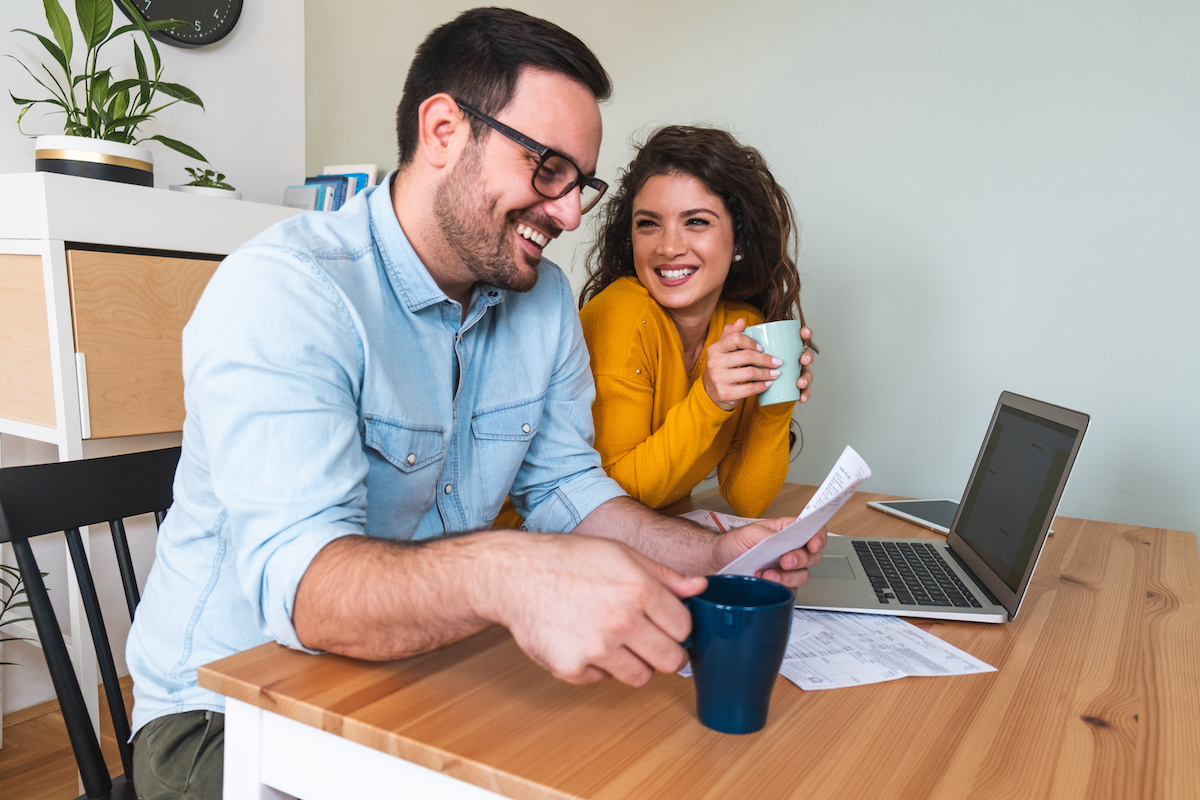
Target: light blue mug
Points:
(782, 340)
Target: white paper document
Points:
(830, 650)
(716, 521)
(843, 480)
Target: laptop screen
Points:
(1014, 485)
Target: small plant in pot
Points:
(209, 183)
(102, 112)
(12, 600)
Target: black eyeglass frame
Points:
(543, 153)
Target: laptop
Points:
(980, 573)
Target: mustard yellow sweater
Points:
(657, 431)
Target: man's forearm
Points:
(581, 607)
(677, 543)
(376, 599)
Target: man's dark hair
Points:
(478, 57)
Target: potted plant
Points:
(12, 597)
(209, 183)
(102, 112)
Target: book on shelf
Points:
(357, 181)
(325, 197)
(304, 197)
(369, 171)
(339, 185)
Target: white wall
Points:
(251, 82)
(993, 195)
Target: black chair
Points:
(66, 496)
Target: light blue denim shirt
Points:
(333, 389)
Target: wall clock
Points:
(208, 20)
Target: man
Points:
(395, 370)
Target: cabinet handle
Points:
(85, 413)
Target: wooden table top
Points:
(1097, 695)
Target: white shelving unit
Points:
(96, 281)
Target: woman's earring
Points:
(737, 256)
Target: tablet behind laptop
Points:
(981, 572)
(937, 515)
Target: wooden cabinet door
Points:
(129, 312)
(26, 377)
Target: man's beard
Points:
(481, 242)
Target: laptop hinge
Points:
(986, 593)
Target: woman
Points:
(696, 245)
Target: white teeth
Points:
(529, 233)
(676, 274)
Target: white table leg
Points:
(243, 754)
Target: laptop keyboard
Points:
(913, 573)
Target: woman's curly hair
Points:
(764, 227)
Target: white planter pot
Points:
(207, 191)
(94, 158)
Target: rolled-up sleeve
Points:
(273, 366)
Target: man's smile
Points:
(535, 236)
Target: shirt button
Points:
(525, 427)
(448, 489)
(412, 459)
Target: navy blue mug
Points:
(740, 627)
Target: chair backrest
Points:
(64, 497)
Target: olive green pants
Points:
(180, 756)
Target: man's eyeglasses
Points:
(555, 175)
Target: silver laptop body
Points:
(994, 542)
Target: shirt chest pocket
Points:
(503, 435)
(406, 446)
(516, 422)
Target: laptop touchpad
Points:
(835, 567)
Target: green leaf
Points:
(121, 31)
(140, 61)
(131, 121)
(179, 93)
(60, 94)
(21, 101)
(55, 51)
(124, 85)
(95, 20)
(99, 90)
(187, 150)
(145, 90)
(120, 106)
(60, 26)
(154, 59)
